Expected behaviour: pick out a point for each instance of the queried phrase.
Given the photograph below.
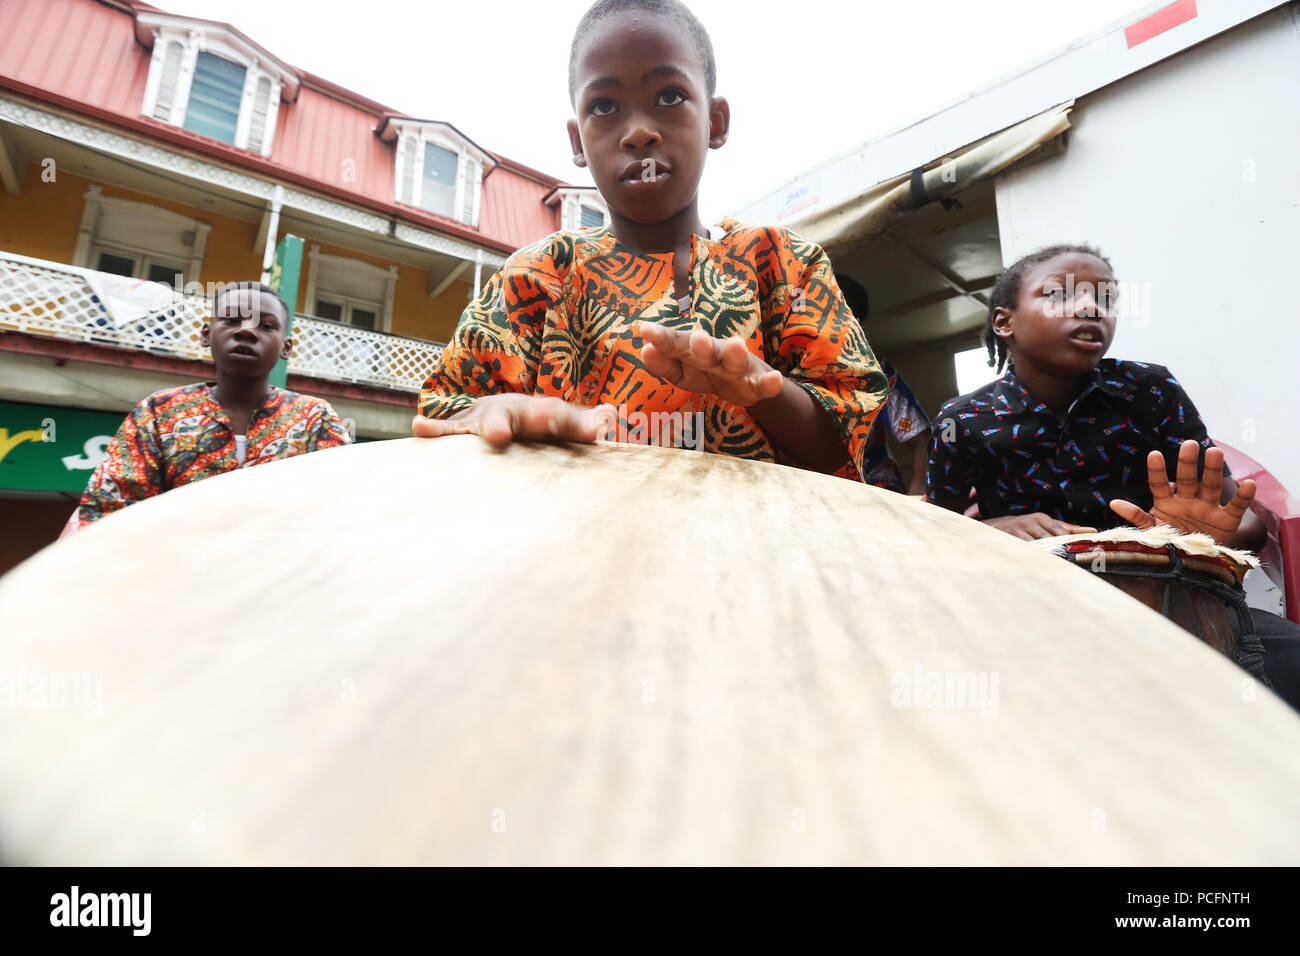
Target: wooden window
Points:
(438, 191)
(215, 95)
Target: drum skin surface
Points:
(427, 652)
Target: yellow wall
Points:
(42, 222)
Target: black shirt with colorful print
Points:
(1020, 458)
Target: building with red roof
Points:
(146, 157)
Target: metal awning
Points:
(861, 218)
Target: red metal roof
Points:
(512, 206)
(83, 55)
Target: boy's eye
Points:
(1055, 292)
(601, 107)
(229, 320)
(268, 326)
(671, 97)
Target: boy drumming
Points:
(741, 328)
(181, 435)
(1068, 442)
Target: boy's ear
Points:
(288, 347)
(1003, 323)
(719, 121)
(575, 140)
(205, 335)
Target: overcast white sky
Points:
(806, 79)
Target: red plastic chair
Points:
(1280, 512)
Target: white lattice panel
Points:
(49, 298)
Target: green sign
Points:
(44, 448)
(284, 280)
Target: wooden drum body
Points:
(1188, 579)
(424, 651)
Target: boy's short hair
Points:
(261, 287)
(1006, 293)
(673, 9)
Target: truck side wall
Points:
(1187, 176)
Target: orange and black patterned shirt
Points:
(562, 319)
(181, 435)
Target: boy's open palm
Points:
(698, 362)
(1190, 505)
(501, 419)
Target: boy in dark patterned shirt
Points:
(1067, 442)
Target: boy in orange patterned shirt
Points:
(181, 435)
(735, 336)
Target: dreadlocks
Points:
(1006, 294)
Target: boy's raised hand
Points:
(700, 363)
(501, 419)
(1190, 505)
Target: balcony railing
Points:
(50, 298)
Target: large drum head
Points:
(423, 651)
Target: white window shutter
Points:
(409, 160)
(168, 82)
(477, 192)
(469, 174)
(463, 179)
(261, 108)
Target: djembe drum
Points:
(424, 651)
(1188, 578)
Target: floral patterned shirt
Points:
(181, 435)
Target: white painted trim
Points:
(194, 42)
(310, 294)
(462, 172)
(184, 80)
(217, 37)
(244, 122)
(440, 132)
(154, 79)
(478, 193)
(272, 114)
(86, 231)
(383, 308)
(417, 176)
(387, 315)
(571, 199)
(97, 205)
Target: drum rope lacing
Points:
(1249, 652)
